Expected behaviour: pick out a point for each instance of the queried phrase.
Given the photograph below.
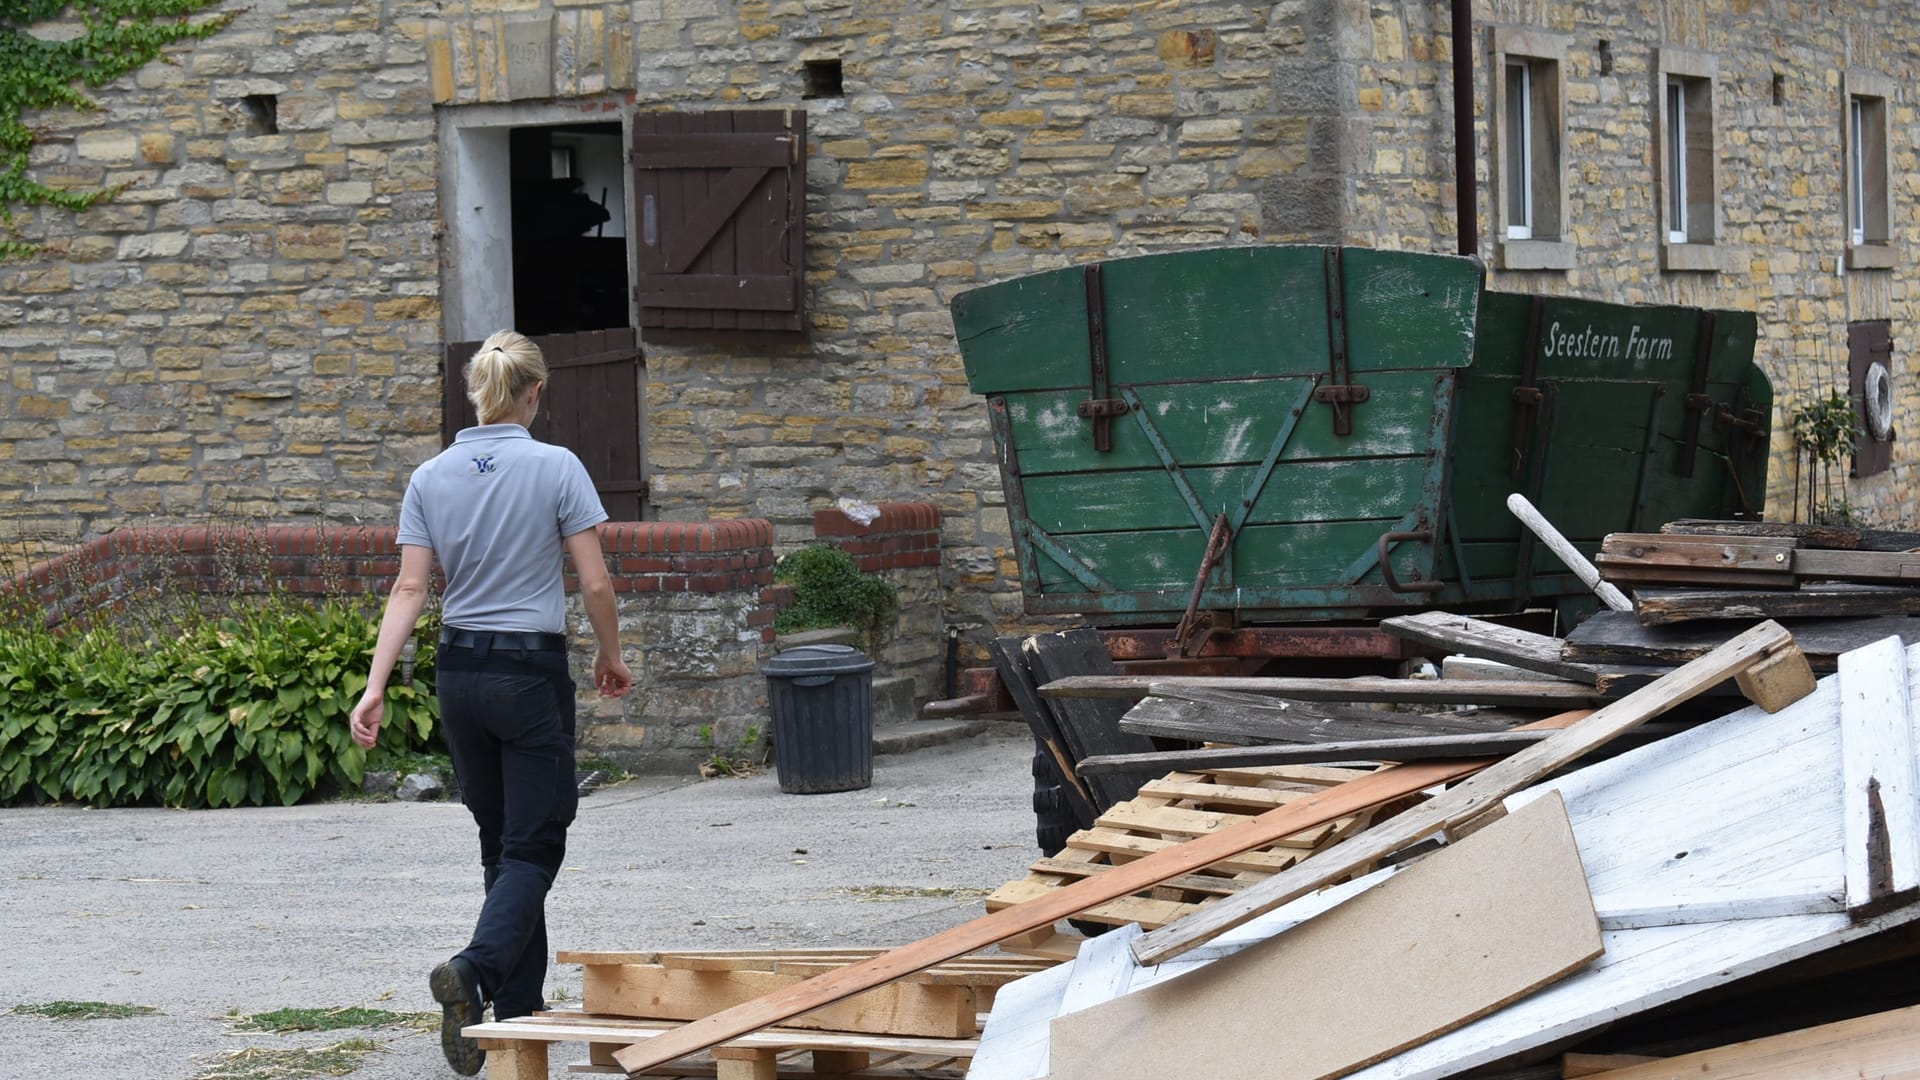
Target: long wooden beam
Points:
(1371, 790)
(1764, 660)
(1545, 695)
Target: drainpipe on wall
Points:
(1466, 188)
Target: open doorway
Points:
(535, 208)
(568, 203)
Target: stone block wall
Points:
(254, 329)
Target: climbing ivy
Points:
(48, 70)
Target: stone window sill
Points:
(1536, 255)
(1704, 258)
(1872, 256)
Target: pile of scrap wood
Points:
(1584, 856)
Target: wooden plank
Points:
(1457, 935)
(1204, 715)
(1884, 1044)
(1576, 1065)
(1089, 727)
(1809, 536)
(1406, 749)
(1670, 907)
(1489, 641)
(1616, 637)
(1531, 695)
(1011, 665)
(1471, 797)
(651, 992)
(564, 1026)
(1880, 785)
(1869, 566)
(1365, 793)
(1659, 607)
(1770, 556)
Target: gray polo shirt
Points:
(495, 508)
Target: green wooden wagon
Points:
(1289, 433)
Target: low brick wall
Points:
(696, 600)
(691, 597)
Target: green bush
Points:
(250, 708)
(830, 590)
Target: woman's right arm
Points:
(404, 604)
(610, 672)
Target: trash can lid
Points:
(818, 660)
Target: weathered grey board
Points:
(1204, 715)
(1011, 665)
(1616, 637)
(1089, 727)
(1812, 536)
(1489, 641)
(1524, 695)
(1658, 607)
(1405, 748)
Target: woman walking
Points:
(498, 509)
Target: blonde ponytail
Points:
(500, 372)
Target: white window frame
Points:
(1529, 136)
(1687, 166)
(1867, 101)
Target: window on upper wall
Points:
(1688, 171)
(1869, 191)
(1529, 129)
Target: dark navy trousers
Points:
(508, 719)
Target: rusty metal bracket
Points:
(1527, 396)
(1101, 406)
(1340, 390)
(1386, 562)
(1217, 543)
(1698, 401)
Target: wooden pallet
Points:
(1167, 812)
(944, 1001)
(517, 1049)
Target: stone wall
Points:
(253, 330)
(902, 546)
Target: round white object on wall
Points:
(1877, 390)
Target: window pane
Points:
(1519, 178)
(1857, 170)
(1676, 161)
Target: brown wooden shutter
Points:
(720, 244)
(1868, 343)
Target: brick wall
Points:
(690, 599)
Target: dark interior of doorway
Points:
(568, 276)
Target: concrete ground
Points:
(206, 916)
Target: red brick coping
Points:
(642, 557)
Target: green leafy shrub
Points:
(830, 590)
(250, 708)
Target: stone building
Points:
(330, 196)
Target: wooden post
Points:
(515, 1059)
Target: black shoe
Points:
(458, 992)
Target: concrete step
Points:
(901, 736)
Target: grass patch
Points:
(345, 1016)
(601, 763)
(268, 1063)
(83, 1010)
(909, 892)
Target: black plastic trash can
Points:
(821, 697)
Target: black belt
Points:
(484, 641)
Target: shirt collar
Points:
(492, 431)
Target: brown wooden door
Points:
(1869, 343)
(592, 407)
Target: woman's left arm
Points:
(404, 604)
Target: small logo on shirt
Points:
(484, 465)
